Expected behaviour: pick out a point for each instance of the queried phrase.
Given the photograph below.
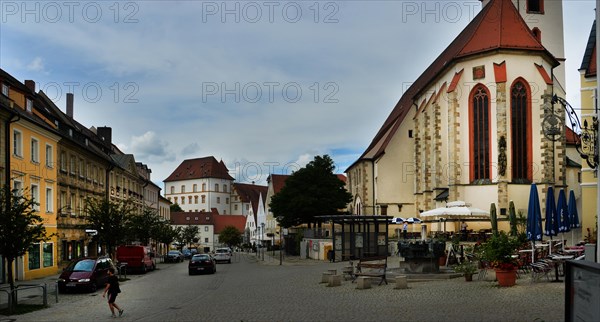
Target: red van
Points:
(137, 258)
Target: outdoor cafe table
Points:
(559, 260)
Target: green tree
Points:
(143, 227)
(189, 234)
(20, 228)
(230, 236)
(311, 191)
(176, 208)
(166, 234)
(110, 220)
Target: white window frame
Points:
(49, 156)
(35, 196)
(28, 105)
(17, 143)
(18, 185)
(5, 89)
(35, 150)
(49, 200)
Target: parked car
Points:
(174, 256)
(187, 254)
(137, 258)
(223, 255)
(202, 263)
(85, 274)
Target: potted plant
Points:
(498, 251)
(468, 268)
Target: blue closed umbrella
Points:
(534, 216)
(574, 217)
(551, 227)
(563, 214)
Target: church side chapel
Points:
(474, 126)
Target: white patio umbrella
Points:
(456, 209)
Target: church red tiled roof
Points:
(498, 26)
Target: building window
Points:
(183, 200)
(480, 135)
(205, 228)
(81, 168)
(172, 189)
(72, 165)
(206, 240)
(203, 199)
(224, 188)
(190, 199)
(195, 187)
(226, 200)
(48, 254)
(5, 90)
(49, 156)
(235, 207)
(216, 187)
(196, 199)
(34, 256)
(175, 200)
(28, 105)
(49, 200)
(18, 187)
(535, 6)
(537, 33)
(182, 188)
(17, 143)
(35, 196)
(35, 150)
(63, 161)
(72, 204)
(520, 122)
(204, 187)
(218, 199)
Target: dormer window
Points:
(28, 105)
(5, 90)
(535, 6)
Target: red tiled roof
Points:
(498, 26)
(207, 167)
(194, 217)
(251, 193)
(570, 135)
(222, 221)
(544, 74)
(341, 177)
(278, 181)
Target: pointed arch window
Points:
(479, 118)
(520, 124)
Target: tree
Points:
(176, 208)
(144, 227)
(109, 219)
(166, 234)
(311, 191)
(230, 236)
(189, 234)
(20, 228)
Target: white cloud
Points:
(36, 65)
(149, 146)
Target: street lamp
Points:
(262, 233)
(279, 218)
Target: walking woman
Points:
(112, 288)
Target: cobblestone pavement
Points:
(251, 289)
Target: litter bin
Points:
(330, 255)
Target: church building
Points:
(478, 125)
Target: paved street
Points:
(256, 290)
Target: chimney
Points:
(105, 133)
(70, 99)
(30, 84)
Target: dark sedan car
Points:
(174, 256)
(85, 274)
(202, 263)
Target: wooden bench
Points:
(375, 266)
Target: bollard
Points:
(335, 280)
(363, 282)
(325, 277)
(56, 291)
(45, 294)
(401, 282)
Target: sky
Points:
(262, 85)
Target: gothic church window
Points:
(479, 117)
(520, 122)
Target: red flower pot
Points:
(506, 278)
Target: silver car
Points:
(222, 255)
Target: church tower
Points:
(545, 19)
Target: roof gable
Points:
(250, 193)
(207, 167)
(501, 22)
(589, 58)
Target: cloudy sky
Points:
(263, 86)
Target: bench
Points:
(375, 266)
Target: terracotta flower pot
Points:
(468, 277)
(506, 278)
